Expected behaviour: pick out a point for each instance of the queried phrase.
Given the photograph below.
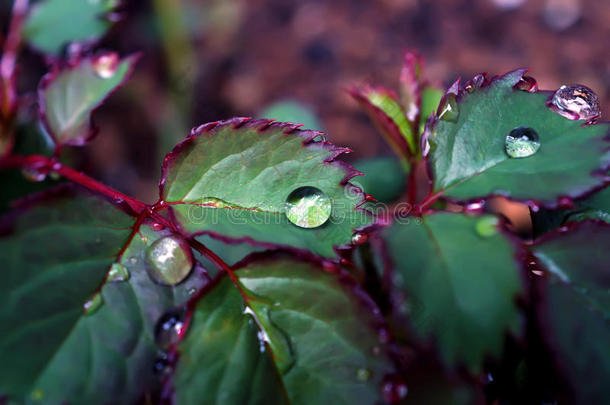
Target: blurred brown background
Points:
(209, 60)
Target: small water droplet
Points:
(191, 291)
(394, 389)
(133, 260)
(169, 329)
(522, 142)
(308, 207)
(105, 65)
(93, 304)
(117, 273)
(487, 226)
(170, 260)
(163, 365)
(527, 83)
(33, 175)
(576, 103)
(363, 374)
(359, 238)
(157, 226)
(448, 110)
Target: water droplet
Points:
(576, 103)
(487, 226)
(157, 226)
(170, 260)
(393, 389)
(191, 291)
(363, 374)
(33, 175)
(448, 110)
(359, 238)
(105, 65)
(527, 83)
(170, 329)
(118, 272)
(163, 365)
(93, 304)
(308, 207)
(522, 142)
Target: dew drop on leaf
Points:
(93, 304)
(169, 329)
(105, 65)
(162, 365)
(449, 109)
(118, 273)
(170, 260)
(522, 142)
(363, 374)
(308, 207)
(359, 238)
(33, 175)
(576, 103)
(487, 226)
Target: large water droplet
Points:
(449, 109)
(522, 142)
(118, 272)
(169, 329)
(363, 374)
(105, 65)
(487, 226)
(308, 207)
(33, 175)
(93, 304)
(576, 102)
(170, 260)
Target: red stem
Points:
(46, 164)
(8, 74)
(412, 180)
(195, 244)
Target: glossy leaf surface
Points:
(104, 355)
(68, 97)
(304, 338)
(233, 179)
(461, 286)
(52, 24)
(468, 157)
(575, 308)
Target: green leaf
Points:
(292, 111)
(468, 157)
(53, 24)
(384, 178)
(385, 111)
(303, 338)
(68, 97)
(598, 201)
(233, 179)
(57, 255)
(575, 309)
(430, 99)
(461, 285)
